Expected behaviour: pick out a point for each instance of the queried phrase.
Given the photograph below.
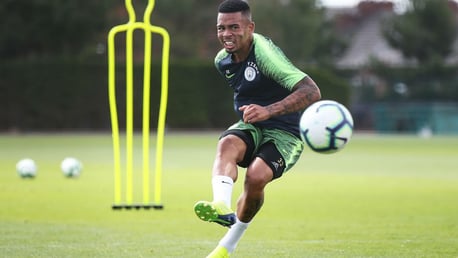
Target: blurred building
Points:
(362, 25)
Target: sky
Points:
(399, 4)
(339, 3)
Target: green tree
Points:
(192, 27)
(425, 32)
(37, 28)
(298, 27)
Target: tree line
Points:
(35, 29)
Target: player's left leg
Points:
(258, 175)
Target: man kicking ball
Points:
(269, 95)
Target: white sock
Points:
(222, 189)
(233, 235)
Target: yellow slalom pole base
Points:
(137, 206)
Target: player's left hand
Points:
(254, 113)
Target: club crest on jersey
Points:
(251, 71)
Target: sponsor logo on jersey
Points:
(229, 74)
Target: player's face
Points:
(235, 33)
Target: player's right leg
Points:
(235, 147)
(217, 212)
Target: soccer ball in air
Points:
(326, 126)
(71, 167)
(26, 168)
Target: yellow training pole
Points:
(129, 29)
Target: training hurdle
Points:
(128, 28)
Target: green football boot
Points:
(217, 212)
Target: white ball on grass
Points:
(71, 167)
(26, 168)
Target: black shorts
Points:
(267, 152)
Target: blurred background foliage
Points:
(42, 40)
(38, 29)
(35, 29)
(426, 32)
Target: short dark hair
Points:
(234, 6)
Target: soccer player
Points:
(269, 95)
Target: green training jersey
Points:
(265, 77)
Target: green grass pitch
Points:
(382, 196)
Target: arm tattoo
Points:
(305, 92)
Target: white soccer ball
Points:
(71, 167)
(326, 126)
(26, 168)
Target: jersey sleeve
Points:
(220, 56)
(274, 64)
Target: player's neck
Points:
(242, 54)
